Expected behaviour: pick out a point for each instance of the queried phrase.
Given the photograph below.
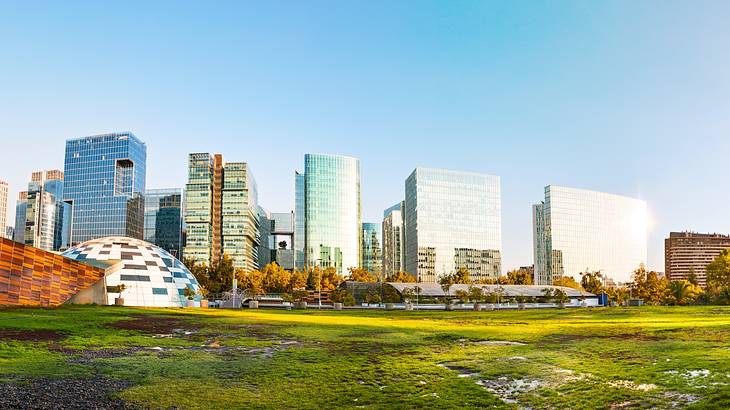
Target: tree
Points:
(617, 295)
(462, 276)
(446, 281)
(298, 280)
(330, 278)
(568, 282)
(648, 286)
(275, 278)
(282, 245)
(718, 276)
(402, 277)
(476, 294)
(592, 282)
(462, 295)
(692, 276)
(361, 275)
(252, 280)
(519, 277)
(682, 292)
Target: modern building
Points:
(20, 207)
(46, 215)
(393, 240)
(372, 248)
(150, 275)
(105, 184)
(332, 213)
(163, 219)
(3, 206)
(689, 253)
(281, 234)
(299, 224)
(33, 277)
(221, 212)
(576, 230)
(452, 220)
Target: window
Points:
(135, 278)
(159, 291)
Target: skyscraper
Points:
(3, 206)
(221, 212)
(577, 230)
(332, 213)
(299, 225)
(371, 252)
(452, 220)
(105, 184)
(46, 212)
(393, 240)
(20, 207)
(163, 219)
(687, 253)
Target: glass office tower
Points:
(332, 211)
(452, 220)
(577, 230)
(163, 219)
(393, 240)
(20, 207)
(299, 224)
(45, 211)
(371, 252)
(105, 184)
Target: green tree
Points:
(718, 277)
(682, 292)
(592, 282)
(360, 275)
(648, 286)
(618, 295)
(402, 277)
(692, 276)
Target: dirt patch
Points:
(31, 335)
(83, 356)
(50, 394)
(156, 325)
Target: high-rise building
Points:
(452, 220)
(577, 230)
(20, 207)
(393, 240)
(688, 253)
(221, 213)
(3, 206)
(299, 224)
(372, 248)
(46, 212)
(332, 213)
(163, 219)
(277, 237)
(105, 183)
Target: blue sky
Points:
(622, 96)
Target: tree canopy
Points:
(592, 282)
(361, 275)
(568, 282)
(403, 277)
(718, 277)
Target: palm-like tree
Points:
(684, 292)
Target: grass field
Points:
(190, 358)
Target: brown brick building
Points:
(685, 252)
(34, 277)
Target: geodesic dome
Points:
(151, 275)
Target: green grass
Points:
(587, 358)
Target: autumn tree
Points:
(402, 277)
(592, 282)
(323, 279)
(253, 281)
(648, 286)
(462, 276)
(519, 277)
(568, 282)
(360, 275)
(617, 295)
(298, 281)
(275, 278)
(682, 292)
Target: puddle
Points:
(628, 384)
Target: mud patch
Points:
(509, 389)
(156, 325)
(49, 394)
(31, 335)
(87, 356)
(628, 384)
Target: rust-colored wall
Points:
(32, 276)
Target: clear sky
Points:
(627, 97)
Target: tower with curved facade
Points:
(332, 214)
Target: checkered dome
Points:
(152, 277)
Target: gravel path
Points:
(47, 394)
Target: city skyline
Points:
(529, 94)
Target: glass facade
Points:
(372, 239)
(452, 220)
(332, 211)
(105, 185)
(20, 207)
(221, 212)
(577, 230)
(45, 211)
(299, 220)
(163, 219)
(393, 240)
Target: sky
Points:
(625, 97)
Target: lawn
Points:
(110, 357)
